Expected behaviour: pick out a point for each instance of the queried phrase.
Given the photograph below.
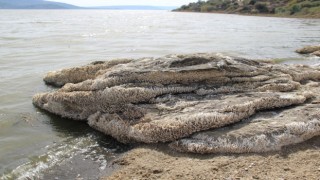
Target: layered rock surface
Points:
(188, 98)
(265, 131)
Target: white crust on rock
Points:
(169, 98)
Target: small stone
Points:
(255, 177)
(252, 164)
(214, 168)
(286, 169)
(157, 171)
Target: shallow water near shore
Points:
(35, 42)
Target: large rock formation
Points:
(188, 98)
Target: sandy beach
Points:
(299, 161)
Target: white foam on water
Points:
(57, 154)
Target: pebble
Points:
(157, 171)
(215, 168)
(255, 177)
(286, 169)
(252, 164)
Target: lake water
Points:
(35, 42)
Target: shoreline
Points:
(156, 161)
(257, 15)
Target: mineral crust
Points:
(202, 103)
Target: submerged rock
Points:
(170, 98)
(316, 53)
(314, 50)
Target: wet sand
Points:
(76, 168)
(300, 161)
(87, 165)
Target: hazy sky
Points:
(126, 2)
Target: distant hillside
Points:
(136, 7)
(42, 4)
(303, 8)
(34, 4)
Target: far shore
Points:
(317, 16)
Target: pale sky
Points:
(87, 3)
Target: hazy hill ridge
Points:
(42, 4)
(136, 7)
(303, 8)
(34, 4)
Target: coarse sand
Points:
(301, 161)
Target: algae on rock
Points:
(166, 99)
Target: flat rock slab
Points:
(166, 99)
(265, 131)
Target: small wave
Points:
(46, 22)
(57, 154)
(303, 59)
(89, 35)
(9, 38)
(30, 22)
